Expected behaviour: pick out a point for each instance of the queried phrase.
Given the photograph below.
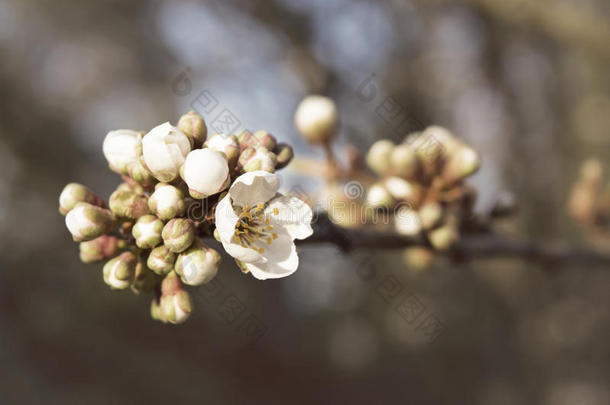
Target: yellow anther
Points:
(276, 211)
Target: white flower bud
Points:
(74, 193)
(407, 222)
(167, 202)
(316, 118)
(161, 260)
(227, 144)
(164, 149)
(122, 147)
(379, 156)
(378, 197)
(175, 301)
(197, 265)
(87, 222)
(256, 158)
(403, 190)
(404, 161)
(206, 172)
(147, 231)
(119, 272)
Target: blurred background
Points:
(525, 82)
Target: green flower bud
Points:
(119, 272)
(444, 237)
(227, 144)
(167, 202)
(100, 248)
(198, 264)
(178, 234)
(74, 193)
(144, 280)
(155, 311)
(86, 222)
(253, 159)
(404, 162)
(175, 302)
(132, 188)
(378, 197)
(140, 174)
(245, 139)
(161, 260)
(193, 126)
(316, 119)
(284, 154)
(461, 164)
(147, 231)
(128, 204)
(431, 214)
(379, 155)
(264, 139)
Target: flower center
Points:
(254, 227)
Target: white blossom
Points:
(121, 148)
(164, 149)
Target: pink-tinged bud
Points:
(144, 280)
(164, 150)
(175, 302)
(284, 154)
(167, 202)
(379, 156)
(161, 260)
(206, 172)
(462, 163)
(443, 238)
(253, 159)
(128, 204)
(74, 193)
(147, 231)
(100, 248)
(227, 144)
(404, 161)
(264, 139)
(121, 148)
(178, 234)
(198, 264)
(431, 214)
(316, 119)
(245, 139)
(86, 222)
(119, 272)
(193, 126)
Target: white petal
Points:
(205, 171)
(225, 224)
(281, 259)
(294, 215)
(254, 187)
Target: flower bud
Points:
(198, 264)
(227, 144)
(193, 126)
(379, 155)
(144, 279)
(418, 257)
(378, 197)
(264, 139)
(462, 163)
(119, 272)
(403, 190)
(156, 312)
(253, 159)
(167, 202)
(161, 260)
(316, 119)
(128, 204)
(284, 155)
(404, 162)
(164, 149)
(343, 209)
(147, 231)
(206, 172)
(86, 222)
(131, 187)
(245, 139)
(407, 222)
(175, 301)
(592, 172)
(431, 214)
(140, 174)
(74, 193)
(444, 237)
(100, 248)
(178, 234)
(122, 147)
(436, 141)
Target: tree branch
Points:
(471, 246)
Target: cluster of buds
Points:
(421, 183)
(148, 232)
(589, 202)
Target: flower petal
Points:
(294, 215)
(281, 259)
(225, 224)
(254, 187)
